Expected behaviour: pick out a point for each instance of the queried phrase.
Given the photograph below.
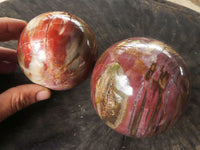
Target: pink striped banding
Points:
(140, 87)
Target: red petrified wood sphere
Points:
(57, 50)
(140, 87)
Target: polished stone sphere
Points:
(140, 87)
(57, 50)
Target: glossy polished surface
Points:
(57, 50)
(140, 87)
(68, 120)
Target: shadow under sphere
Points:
(68, 120)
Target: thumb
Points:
(19, 97)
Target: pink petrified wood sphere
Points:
(140, 87)
(57, 50)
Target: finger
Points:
(10, 28)
(7, 54)
(7, 67)
(20, 97)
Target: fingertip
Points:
(23, 22)
(15, 20)
(11, 28)
(17, 98)
(43, 95)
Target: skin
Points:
(16, 98)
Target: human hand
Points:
(19, 97)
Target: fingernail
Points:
(43, 95)
(19, 20)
